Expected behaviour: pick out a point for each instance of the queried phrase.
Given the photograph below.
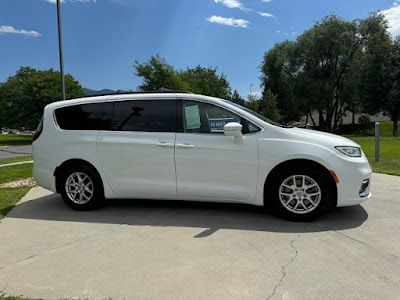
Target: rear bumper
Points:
(43, 170)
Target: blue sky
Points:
(103, 38)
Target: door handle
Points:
(162, 144)
(185, 146)
(165, 145)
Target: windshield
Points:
(252, 112)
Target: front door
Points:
(210, 165)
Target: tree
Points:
(157, 73)
(24, 95)
(207, 82)
(236, 98)
(381, 69)
(320, 71)
(253, 103)
(279, 72)
(393, 105)
(268, 106)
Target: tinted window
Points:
(149, 115)
(91, 116)
(201, 117)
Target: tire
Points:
(307, 199)
(81, 187)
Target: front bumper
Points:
(352, 174)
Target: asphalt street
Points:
(170, 250)
(15, 151)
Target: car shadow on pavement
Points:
(213, 216)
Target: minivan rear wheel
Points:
(81, 187)
(301, 194)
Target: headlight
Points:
(349, 150)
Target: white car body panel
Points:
(131, 165)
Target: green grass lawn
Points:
(4, 161)
(11, 173)
(15, 140)
(386, 128)
(389, 153)
(8, 198)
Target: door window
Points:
(199, 117)
(144, 115)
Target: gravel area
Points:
(19, 183)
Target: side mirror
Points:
(234, 129)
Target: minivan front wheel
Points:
(81, 188)
(301, 194)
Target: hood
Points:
(317, 137)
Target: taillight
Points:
(36, 135)
(38, 131)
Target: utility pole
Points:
(60, 49)
(250, 88)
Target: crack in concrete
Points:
(63, 245)
(283, 270)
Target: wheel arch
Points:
(68, 164)
(298, 163)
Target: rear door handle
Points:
(185, 146)
(165, 145)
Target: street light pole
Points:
(60, 49)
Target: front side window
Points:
(82, 117)
(148, 115)
(199, 117)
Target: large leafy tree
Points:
(157, 74)
(279, 74)
(380, 79)
(207, 82)
(314, 72)
(24, 95)
(328, 52)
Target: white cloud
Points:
(12, 30)
(229, 21)
(392, 15)
(231, 3)
(278, 31)
(267, 15)
(266, 1)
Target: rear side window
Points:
(148, 115)
(93, 116)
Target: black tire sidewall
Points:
(98, 194)
(326, 193)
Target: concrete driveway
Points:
(169, 250)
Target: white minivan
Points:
(167, 145)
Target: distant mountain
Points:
(91, 92)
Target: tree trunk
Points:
(321, 122)
(353, 119)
